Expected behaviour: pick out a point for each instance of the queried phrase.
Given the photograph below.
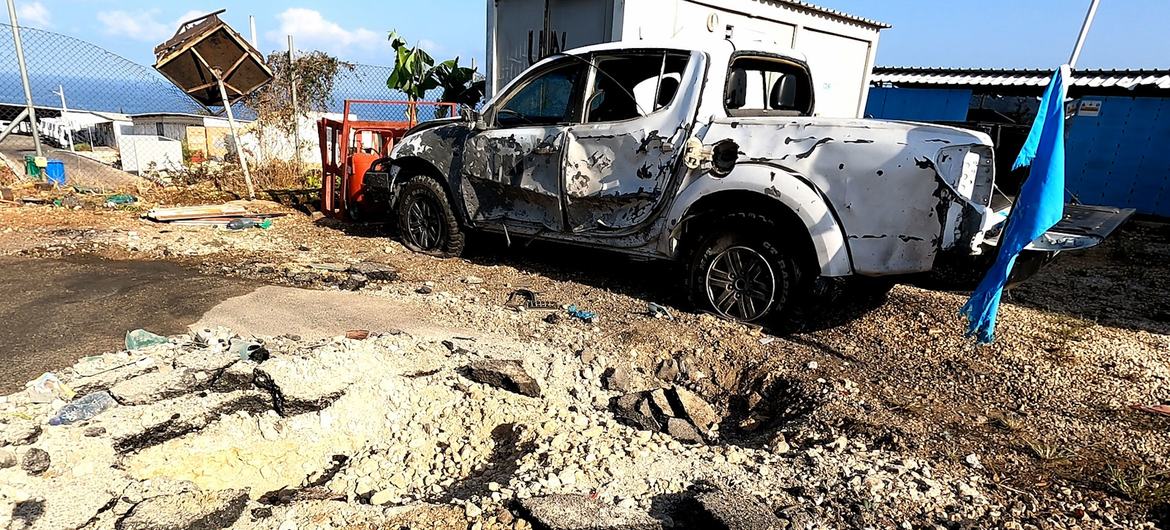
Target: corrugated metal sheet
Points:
(833, 12)
(958, 77)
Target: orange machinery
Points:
(350, 147)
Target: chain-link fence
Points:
(108, 122)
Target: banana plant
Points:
(415, 73)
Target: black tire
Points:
(426, 222)
(767, 281)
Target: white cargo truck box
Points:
(840, 47)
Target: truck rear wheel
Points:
(740, 270)
(425, 219)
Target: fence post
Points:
(28, 100)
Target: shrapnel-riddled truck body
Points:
(711, 157)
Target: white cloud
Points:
(312, 31)
(143, 26)
(33, 14)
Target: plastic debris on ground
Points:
(245, 223)
(84, 408)
(581, 314)
(528, 299)
(47, 388)
(120, 199)
(658, 311)
(248, 349)
(140, 339)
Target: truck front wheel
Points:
(425, 219)
(740, 270)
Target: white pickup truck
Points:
(711, 156)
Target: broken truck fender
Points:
(787, 190)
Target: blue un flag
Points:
(1038, 208)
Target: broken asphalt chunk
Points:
(504, 374)
(726, 510)
(190, 510)
(580, 512)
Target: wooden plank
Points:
(197, 212)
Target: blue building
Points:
(1118, 144)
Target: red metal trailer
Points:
(350, 147)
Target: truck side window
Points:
(633, 85)
(765, 86)
(545, 100)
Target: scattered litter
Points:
(120, 199)
(140, 339)
(473, 280)
(552, 318)
(426, 289)
(767, 340)
(84, 408)
(1161, 410)
(585, 316)
(248, 222)
(248, 349)
(812, 365)
(357, 334)
(527, 299)
(47, 388)
(658, 311)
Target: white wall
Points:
(138, 152)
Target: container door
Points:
(638, 112)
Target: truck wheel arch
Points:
(775, 192)
(409, 166)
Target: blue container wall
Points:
(918, 104)
(1121, 157)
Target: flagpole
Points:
(1076, 53)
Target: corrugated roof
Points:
(1158, 79)
(835, 13)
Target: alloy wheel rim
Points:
(741, 284)
(424, 224)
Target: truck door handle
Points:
(545, 150)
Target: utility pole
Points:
(28, 100)
(65, 118)
(1076, 53)
(292, 84)
(252, 28)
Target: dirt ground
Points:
(1046, 409)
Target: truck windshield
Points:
(766, 86)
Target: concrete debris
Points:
(580, 512)
(375, 272)
(35, 461)
(192, 510)
(675, 411)
(731, 510)
(616, 379)
(504, 374)
(19, 431)
(7, 458)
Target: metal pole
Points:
(252, 27)
(227, 107)
(1076, 54)
(65, 118)
(32, 113)
(292, 83)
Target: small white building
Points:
(203, 136)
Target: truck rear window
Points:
(767, 86)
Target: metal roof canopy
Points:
(1084, 81)
(834, 13)
(207, 43)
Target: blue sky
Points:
(972, 33)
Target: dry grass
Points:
(1138, 483)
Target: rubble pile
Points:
(486, 433)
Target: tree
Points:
(415, 73)
(315, 74)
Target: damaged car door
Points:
(638, 109)
(512, 168)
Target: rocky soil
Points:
(862, 413)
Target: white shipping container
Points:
(840, 47)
